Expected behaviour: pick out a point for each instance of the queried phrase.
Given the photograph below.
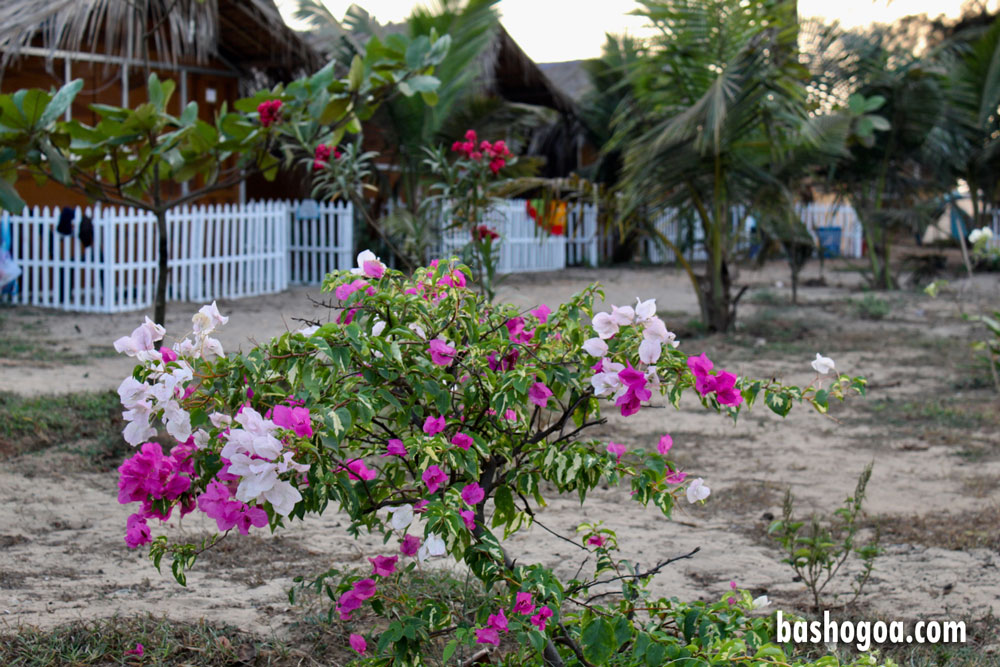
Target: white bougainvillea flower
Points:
(981, 233)
(131, 392)
(697, 490)
(402, 517)
(308, 331)
(139, 343)
(605, 325)
(138, 429)
(201, 438)
(649, 351)
(207, 319)
(595, 347)
(417, 329)
(607, 381)
(822, 365)
(283, 497)
(644, 310)
(432, 546)
(378, 327)
(655, 329)
(220, 419)
(760, 602)
(622, 316)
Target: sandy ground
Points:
(62, 556)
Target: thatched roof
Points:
(511, 74)
(249, 35)
(569, 76)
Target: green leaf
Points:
(9, 199)
(334, 110)
(60, 102)
(449, 650)
(422, 83)
(598, 641)
(356, 74)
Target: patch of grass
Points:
(933, 412)
(766, 297)
(164, 642)
(775, 325)
(871, 307)
(32, 424)
(969, 530)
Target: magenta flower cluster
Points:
(524, 605)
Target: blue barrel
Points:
(829, 240)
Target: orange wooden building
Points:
(215, 51)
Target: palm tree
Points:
(717, 121)
(892, 177)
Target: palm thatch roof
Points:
(569, 76)
(248, 35)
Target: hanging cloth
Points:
(65, 226)
(86, 232)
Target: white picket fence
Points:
(215, 252)
(525, 247)
(320, 239)
(691, 237)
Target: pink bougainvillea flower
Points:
(410, 545)
(295, 419)
(469, 518)
(462, 441)
(498, 621)
(357, 470)
(348, 602)
(542, 313)
(395, 447)
(732, 585)
(731, 600)
(139, 650)
(700, 367)
(725, 389)
(664, 445)
(539, 394)
(441, 352)
(539, 619)
(524, 604)
(136, 531)
(369, 265)
(473, 494)
(631, 377)
(434, 425)
(675, 477)
(420, 506)
(510, 415)
(383, 566)
(358, 643)
(617, 450)
(434, 477)
(487, 636)
(516, 331)
(596, 540)
(364, 589)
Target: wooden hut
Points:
(215, 50)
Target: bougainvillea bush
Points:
(429, 416)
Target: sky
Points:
(556, 30)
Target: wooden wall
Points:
(102, 83)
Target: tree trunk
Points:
(160, 305)
(718, 312)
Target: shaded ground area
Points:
(930, 425)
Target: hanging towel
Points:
(86, 232)
(65, 226)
